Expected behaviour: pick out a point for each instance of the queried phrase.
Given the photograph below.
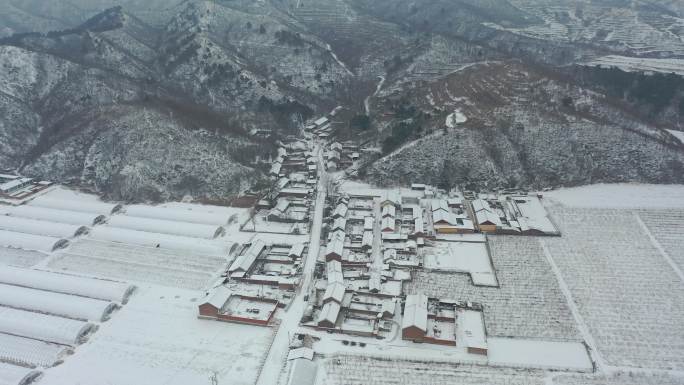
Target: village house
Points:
(224, 305)
(415, 320)
(485, 217)
(327, 318)
(335, 249)
(242, 265)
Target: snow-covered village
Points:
(341, 192)
(324, 280)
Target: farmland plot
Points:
(362, 370)
(47, 302)
(668, 228)
(20, 257)
(148, 255)
(139, 263)
(27, 352)
(66, 284)
(135, 272)
(628, 295)
(43, 327)
(157, 339)
(619, 379)
(528, 303)
(16, 375)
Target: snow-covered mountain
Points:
(153, 99)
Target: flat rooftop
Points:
(239, 306)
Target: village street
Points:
(290, 320)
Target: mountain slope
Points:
(516, 126)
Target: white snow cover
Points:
(63, 305)
(38, 227)
(187, 213)
(173, 347)
(16, 375)
(65, 283)
(83, 206)
(620, 195)
(53, 215)
(43, 327)
(165, 226)
(455, 118)
(632, 64)
(28, 352)
(30, 241)
(164, 241)
(467, 257)
(538, 354)
(677, 134)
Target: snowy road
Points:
(366, 102)
(290, 320)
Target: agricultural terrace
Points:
(529, 302)
(626, 292)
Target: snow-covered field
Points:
(633, 64)
(140, 264)
(31, 242)
(529, 303)
(464, 257)
(190, 213)
(39, 227)
(619, 196)
(162, 241)
(667, 226)
(20, 257)
(157, 339)
(28, 352)
(618, 379)
(16, 375)
(169, 251)
(63, 305)
(42, 327)
(51, 215)
(362, 370)
(66, 284)
(514, 352)
(629, 296)
(163, 226)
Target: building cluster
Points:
(16, 189)
(340, 156)
(511, 214)
(356, 294)
(452, 213)
(260, 279)
(376, 241)
(286, 208)
(444, 322)
(322, 128)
